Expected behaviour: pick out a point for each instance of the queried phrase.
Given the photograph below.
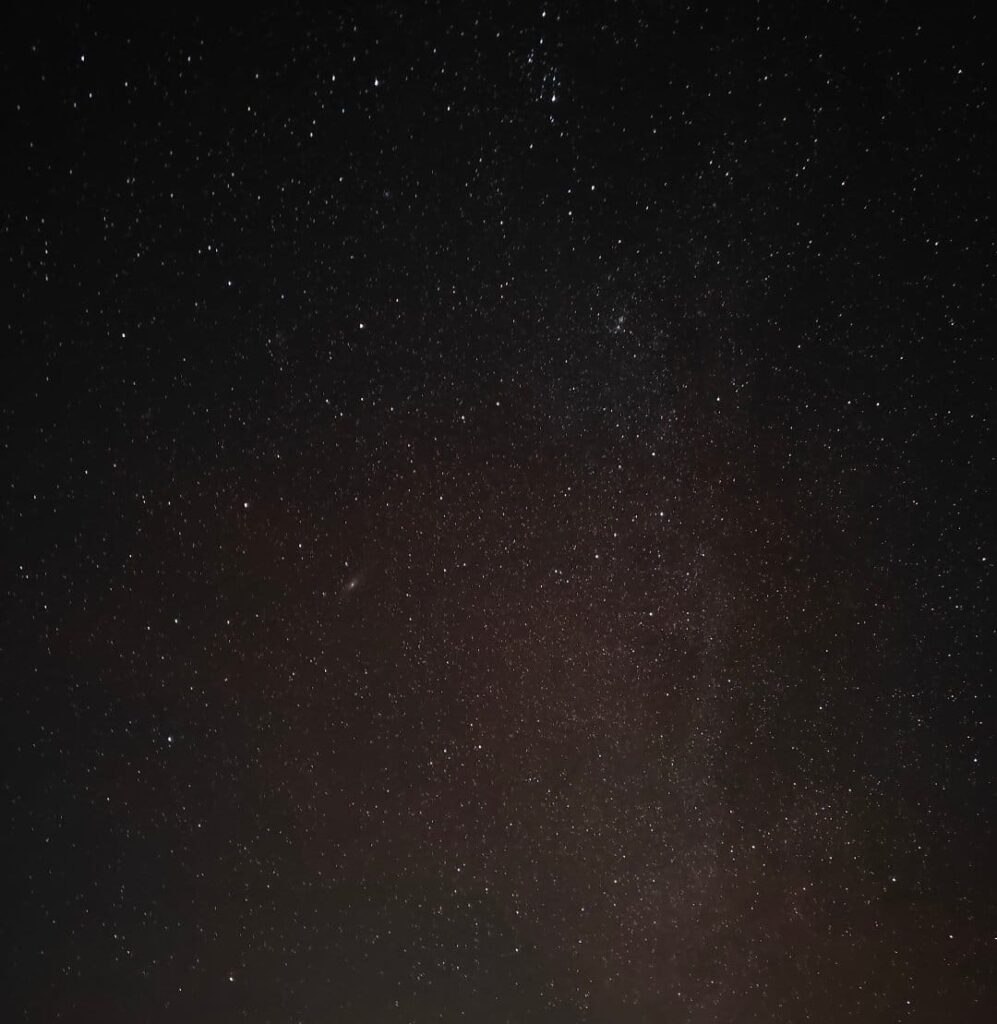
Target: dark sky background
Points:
(497, 514)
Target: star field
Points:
(497, 520)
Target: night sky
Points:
(497, 514)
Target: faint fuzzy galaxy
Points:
(498, 521)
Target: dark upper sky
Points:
(497, 517)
